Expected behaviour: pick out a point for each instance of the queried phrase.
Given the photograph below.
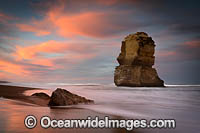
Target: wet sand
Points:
(17, 93)
(21, 106)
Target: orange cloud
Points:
(31, 28)
(12, 68)
(43, 62)
(30, 52)
(57, 18)
(85, 24)
(89, 23)
(3, 76)
(44, 54)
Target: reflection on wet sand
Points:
(13, 114)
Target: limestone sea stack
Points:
(135, 62)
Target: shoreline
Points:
(16, 95)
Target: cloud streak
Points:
(13, 68)
(30, 28)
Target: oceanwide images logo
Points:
(129, 124)
(30, 121)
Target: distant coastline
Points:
(4, 81)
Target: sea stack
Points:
(135, 62)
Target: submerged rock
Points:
(136, 60)
(62, 97)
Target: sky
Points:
(78, 41)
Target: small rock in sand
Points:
(62, 97)
(41, 95)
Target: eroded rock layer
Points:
(136, 60)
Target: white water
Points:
(181, 103)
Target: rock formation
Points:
(136, 60)
(61, 97)
(40, 98)
(41, 95)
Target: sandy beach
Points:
(15, 102)
(17, 93)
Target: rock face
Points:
(61, 97)
(136, 60)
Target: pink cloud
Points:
(4, 17)
(98, 24)
(91, 24)
(13, 68)
(32, 28)
(70, 52)
(193, 43)
(29, 52)
(163, 53)
(186, 51)
(107, 2)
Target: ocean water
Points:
(181, 103)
